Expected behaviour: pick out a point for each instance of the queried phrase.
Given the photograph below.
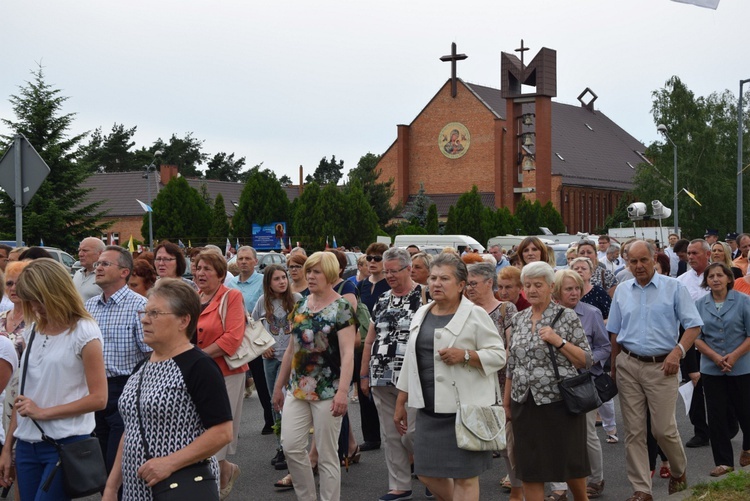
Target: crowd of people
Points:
(133, 352)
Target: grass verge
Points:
(733, 487)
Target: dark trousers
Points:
(727, 397)
(109, 425)
(653, 447)
(367, 411)
(259, 376)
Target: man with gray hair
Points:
(116, 311)
(88, 252)
(644, 322)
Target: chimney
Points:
(167, 173)
(301, 181)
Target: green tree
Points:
(469, 210)
(379, 193)
(112, 152)
(219, 230)
(263, 201)
(416, 211)
(223, 167)
(552, 219)
(451, 225)
(59, 213)
(705, 132)
(328, 172)
(432, 226)
(358, 210)
(179, 213)
(530, 216)
(285, 180)
(185, 153)
(330, 215)
(305, 226)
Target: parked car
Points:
(351, 264)
(266, 258)
(63, 258)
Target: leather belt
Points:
(656, 360)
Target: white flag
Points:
(145, 207)
(709, 4)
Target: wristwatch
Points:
(467, 357)
(564, 342)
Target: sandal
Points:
(505, 483)
(612, 438)
(595, 489)
(664, 472)
(353, 459)
(554, 496)
(285, 483)
(721, 470)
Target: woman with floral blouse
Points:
(541, 423)
(316, 372)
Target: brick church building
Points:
(511, 142)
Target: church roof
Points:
(588, 149)
(444, 201)
(119, 191)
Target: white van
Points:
(458, 242)
(509, 241)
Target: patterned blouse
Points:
(316, 364)
(502, 324)
(603, 278)
(599, 298)
(529, 363)
(392, 317)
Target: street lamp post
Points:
(739, 160)
(663, 129)
(149, 169)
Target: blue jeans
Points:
(271, 367)
(35, 461)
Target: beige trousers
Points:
(297, 417)
(643, 385)
(236, 390)
(397, 447)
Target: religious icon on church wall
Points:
(454, 140)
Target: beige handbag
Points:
(255, 341)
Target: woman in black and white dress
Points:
(183, 403)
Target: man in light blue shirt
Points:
(645, 317)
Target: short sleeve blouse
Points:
(598, 298)
(316, 363)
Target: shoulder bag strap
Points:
(223, 310)
(142, 430)
(549, 346)
(23, 381)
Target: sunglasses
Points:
(377, 259)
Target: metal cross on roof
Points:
(521, 49)
(453, 58)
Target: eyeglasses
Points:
(390, 272)
(105, 264)
(152, 314)
(474, 284)
(295, 267)
(10, 283)
(377, 259)
(165, 259)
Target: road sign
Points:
(33, 170)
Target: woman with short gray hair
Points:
(540, 420)
(382, 359)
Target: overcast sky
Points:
(289, 82)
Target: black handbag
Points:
(605, 387)
(195, 482)
(578, 392)
(82, 462)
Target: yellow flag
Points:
(131, 247)
(693, 197)
(189, 244)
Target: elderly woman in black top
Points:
(541, 423)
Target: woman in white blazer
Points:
(450, 339)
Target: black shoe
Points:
(267, 430)
(278, 457)
(696, 441)
(369, 446)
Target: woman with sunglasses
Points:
(369, 291)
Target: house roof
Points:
(443, 201)
(119, 191)
(588, 149)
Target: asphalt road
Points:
(368, 480)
